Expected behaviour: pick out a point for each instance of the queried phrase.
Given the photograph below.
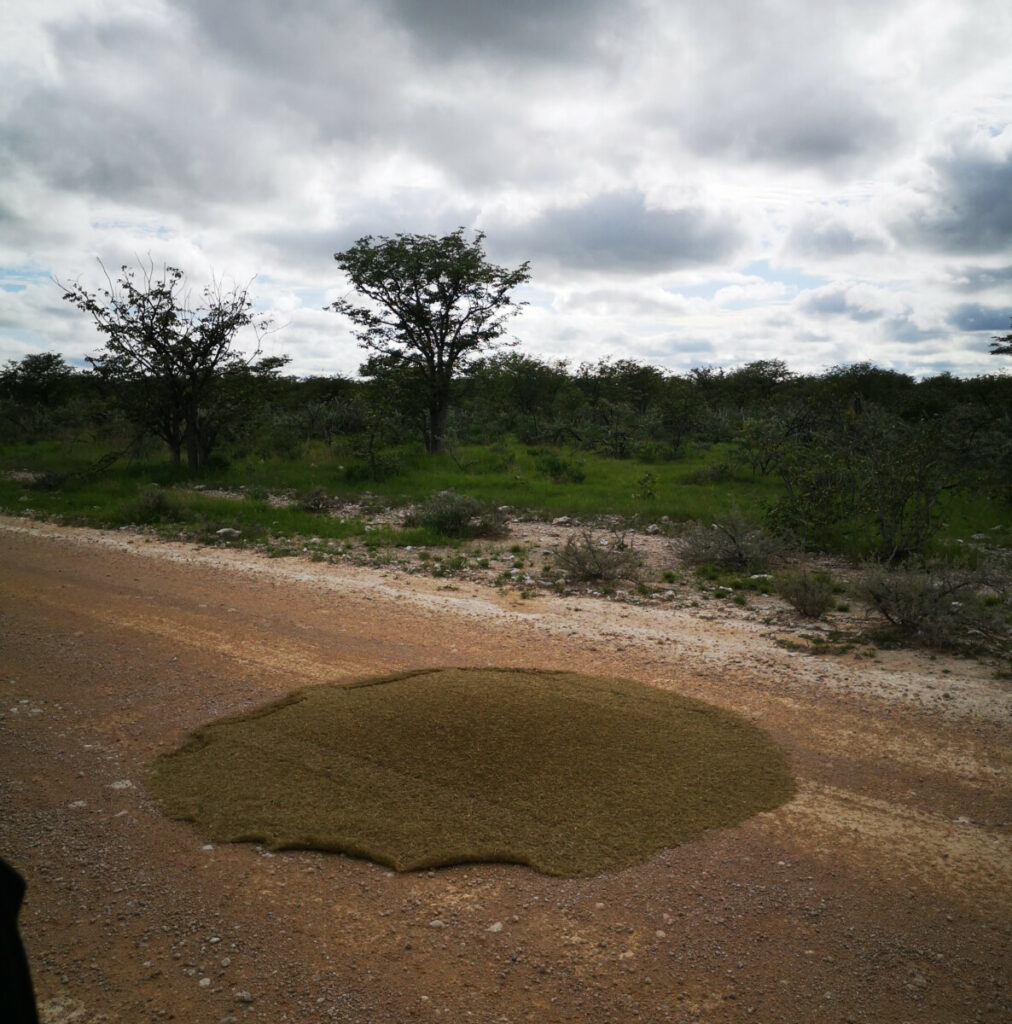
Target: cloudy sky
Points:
(695, 182)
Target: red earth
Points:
(880, 893)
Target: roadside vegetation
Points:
(750, 476)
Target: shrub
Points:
(734, 542)
(557, 468)
(373, 466)
(457, 515)
(584, 560)
(647, 485)
(52, 481)
(809, 594)
(718, 473)
(316, 500)
(152, 505)
(942, 605)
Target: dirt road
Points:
(881, 893)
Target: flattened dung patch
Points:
(573, 775)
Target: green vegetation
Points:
(569, 774)
(809, 594)
(858, 460)
(748, 471)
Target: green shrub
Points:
(734, 542)
(718, 473)
(809, 594)
(557, 468)
(373, 466)
(943, 605)
(151, 506)
(316, 500)
(457, 515)
(582, 559)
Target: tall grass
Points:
(704, 484)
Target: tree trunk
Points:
(192, 438)
(438, 408)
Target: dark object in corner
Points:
(17, 999)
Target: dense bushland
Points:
(859, 460)
(744, 470)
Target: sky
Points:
(693, 183)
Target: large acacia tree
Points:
(169, 360)
(433, 305)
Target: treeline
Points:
(854, 443)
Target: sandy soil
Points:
(881, 893)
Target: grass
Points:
(682, 489)
(703, 484)
(571, 775)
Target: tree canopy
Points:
(1001, 346)
(167, 357)
(434, 303)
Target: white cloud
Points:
(646, 156)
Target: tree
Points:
(40, 378)
(1001, 346)
(35, 396)
(166, 358)
(435, 304)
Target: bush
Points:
(809, 594)
(316, 500)
(942, 605)
(718, 473)
(374, 467)
(557, 468)
(584, 560)
(734, 542)
(457, 515)
(152, 505)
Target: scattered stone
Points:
(227, 531)
(437, 923)
(497, 927)
(242, 996)
(205, 982)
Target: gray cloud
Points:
(837, 302)
(828, 237)
(783, 85)
(522, 30)
(972, 317)
(789, 122)
(254, 139)
(967, 209)
(979, 279)
(616, 231)
(904, 330)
